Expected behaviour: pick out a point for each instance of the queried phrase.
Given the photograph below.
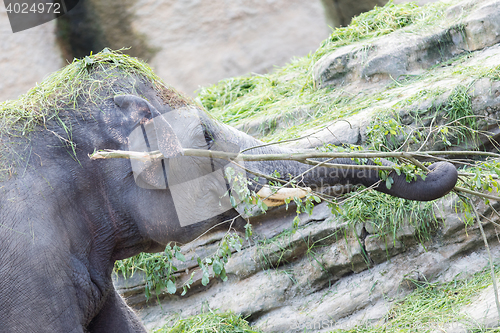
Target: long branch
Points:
(300, 157)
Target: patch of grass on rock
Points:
(210, 322)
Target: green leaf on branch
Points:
(295, 223)
(248, 230)
(205, 279)
(171, 287)
(180, 256)
(217, 267)
(334, 208)
(388, 182)
(223, 275)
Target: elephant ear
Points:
(151, 132)
(163, 138)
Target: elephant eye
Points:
(147, 116)
(208, 138)
(143, 117)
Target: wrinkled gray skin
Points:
(65, 220)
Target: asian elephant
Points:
(65, 219)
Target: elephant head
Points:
(198, 186)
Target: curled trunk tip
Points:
(439, 181)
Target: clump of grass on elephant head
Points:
(291, 89)
(83, 80)
(80, 85)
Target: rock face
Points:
(326, 275)
(334, 286)
(403, 53)
(189, 43)
(194, 43)
(369, 67)
(26, 57)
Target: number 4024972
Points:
(40, 8)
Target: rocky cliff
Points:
(418, 70)
(26, 57)
(189, 43)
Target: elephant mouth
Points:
(277, 196)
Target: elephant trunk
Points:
(440, 180)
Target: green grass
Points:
(379, 22)
(388, 214)
(493, 73)
(431, 306)
(210, 322)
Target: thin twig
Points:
(492, 269)
(348, 166)
(429, 135)
(296, 139)
(493, 209)
(489, 220)
(417, 163)
(371, 187)
(455, 161)
(215, 226)
(479, 194)
(469, 174)
(137, 155)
